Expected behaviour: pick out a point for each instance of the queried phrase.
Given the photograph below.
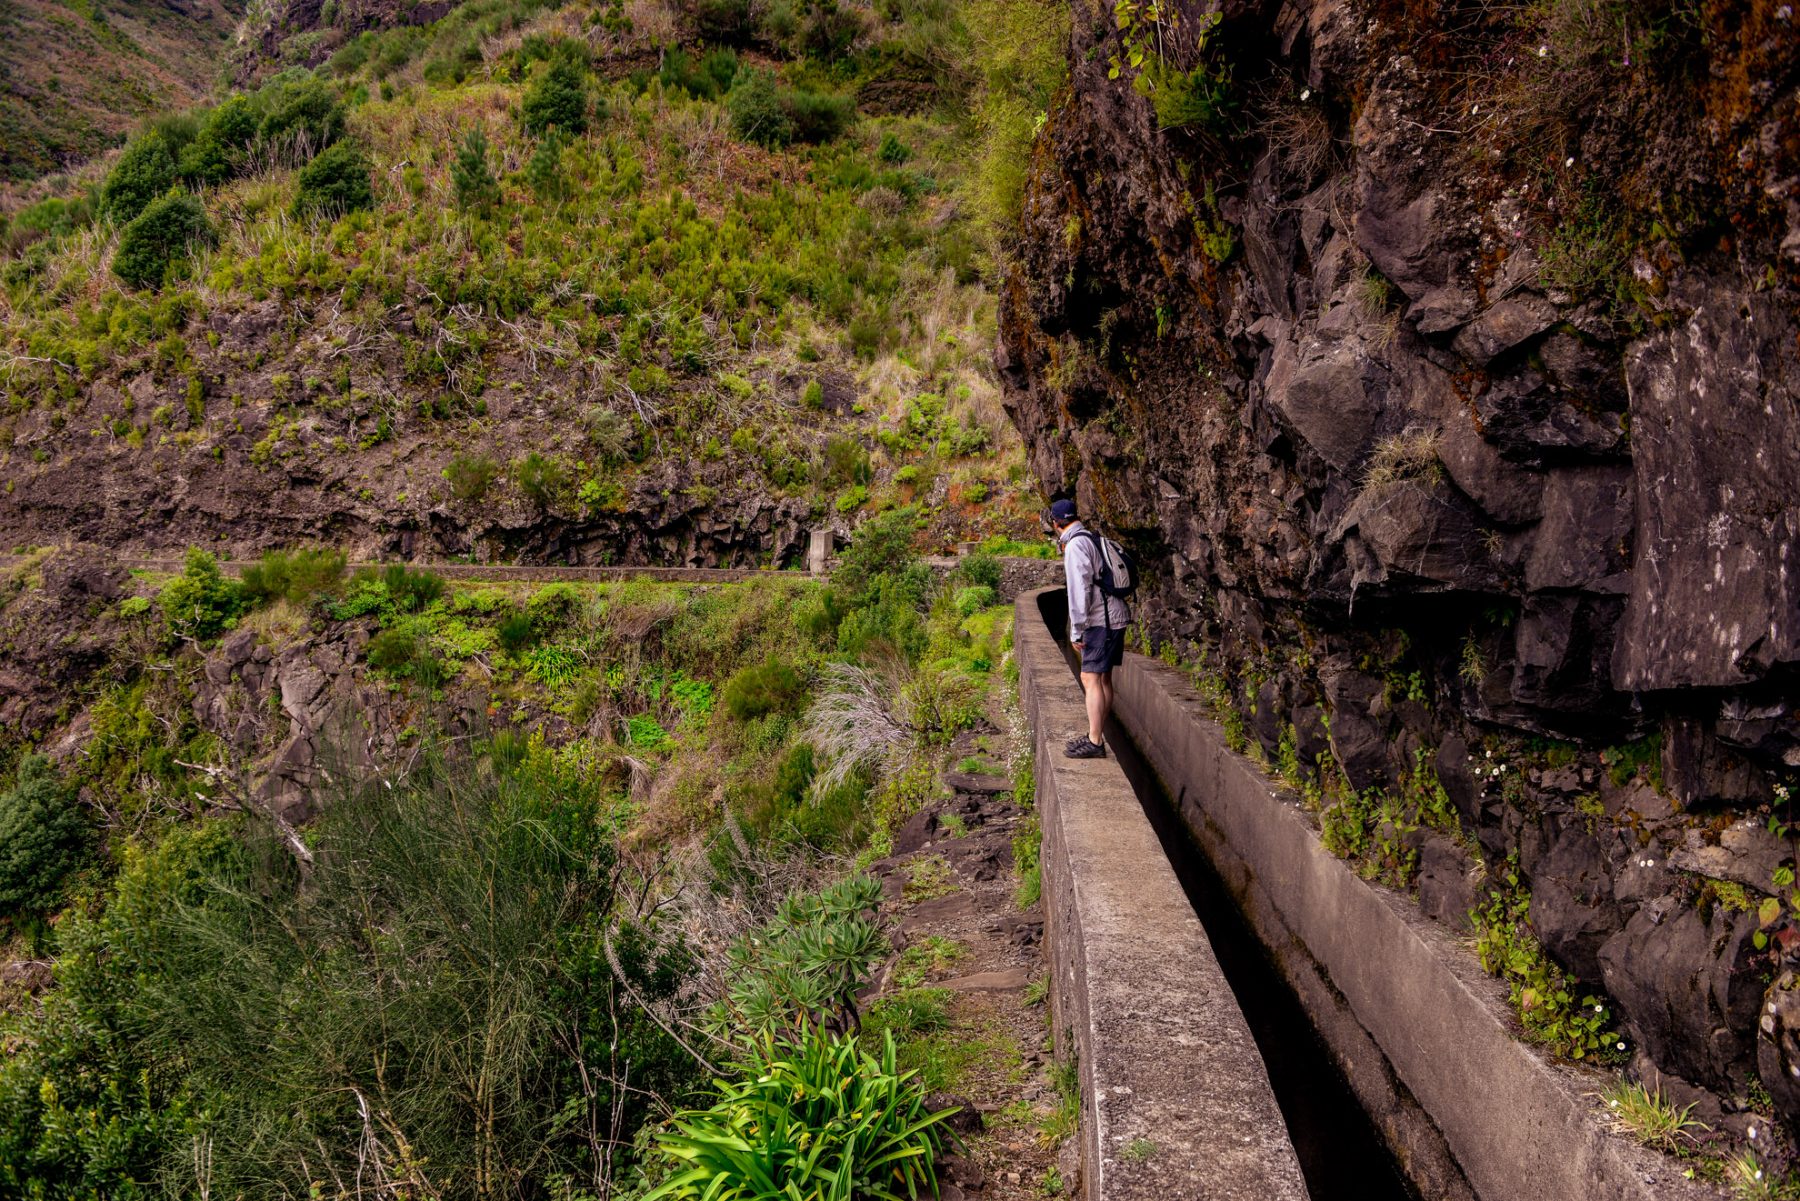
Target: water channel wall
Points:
(1175, 1100)
(1424, 1037)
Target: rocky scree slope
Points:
(1442, 360)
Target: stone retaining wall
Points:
(1175, 1100)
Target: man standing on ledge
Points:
(1096, 626)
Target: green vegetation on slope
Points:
(708, 265)
(449, 971)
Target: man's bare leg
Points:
(1099, 698)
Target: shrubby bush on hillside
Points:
(144, 172)
(201, 603)
(294, 576)
(43, 837)
(159, 238)
(762, 688)
(335, 182)
(774, 116)
(556, 99)
(476, 188)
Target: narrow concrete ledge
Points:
(1175, 1099)
(1424, 1036)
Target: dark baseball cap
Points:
(1062, 510)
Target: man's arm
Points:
(1078, 574)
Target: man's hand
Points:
(1075, 642)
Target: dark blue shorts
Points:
(1102, 649)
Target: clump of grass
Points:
(1026, 846)
(1411, 455)
(1062, 1120)
(1139, 1150)
(1647, 1116)
(1375, 300)
(1300, 135)
(1750, 1180)
(927, 878)
(926, 958)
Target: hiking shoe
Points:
(1084, 748)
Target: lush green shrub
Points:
(721, 20)
(476, 188)
(201, 603)
(886, 621)
(556, 99)
(882, 545)
(403, 653)
(335, 182)
(218, 149)
(301, 115)
(757, 114)
(470, 475)
(813, 1115)
(982, 568)
(762, 688)
(159, 238)
(706, 79)
(553, 605)
(516, 632)
(410, 589)
(817, 116)
(43, 837)
(973, 599)
(804, 968)
(233, 123)
(294, 576)
(829, 30)
(846, 462)
(144, 172)
(52, 216)
(542, 478)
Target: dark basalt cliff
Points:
(1449, 390)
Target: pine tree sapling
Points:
(159, 237)
(476, 188)
(544, 173)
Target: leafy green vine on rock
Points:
(1540, 991)
(1151, 47)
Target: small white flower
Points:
(1306, 93)
(1759, 1173)
(1543, 52)
(1473, 109)
(1599, 1009)
(1569, 162)
(1752, 1132)
(1621, 1046)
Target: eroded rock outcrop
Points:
(1455, 413)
